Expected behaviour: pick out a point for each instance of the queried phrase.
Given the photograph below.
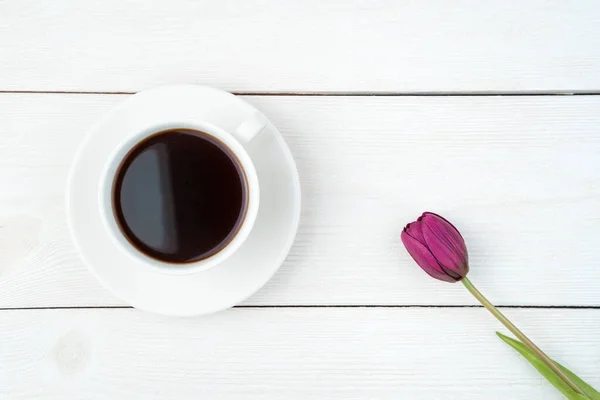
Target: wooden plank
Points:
(271, 45)
(518, 175)
(287, 353)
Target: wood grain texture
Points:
(287, 353)
(271, 45)
(518, 175)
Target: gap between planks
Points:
(314, 306)
(339, 94)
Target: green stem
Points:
(520, 335)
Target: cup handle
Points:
(251, 127)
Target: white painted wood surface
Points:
(287, 353)
(311, 45)
(519, 176)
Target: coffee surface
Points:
(179, 196)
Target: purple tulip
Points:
(439, 249)
(437, 246)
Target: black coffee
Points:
(180, 196)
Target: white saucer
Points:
(201, 292)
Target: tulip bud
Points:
(437, 247)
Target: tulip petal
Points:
(415, 230)
(429, 213)
(425, 259)
(446, 244)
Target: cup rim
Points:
(106, 204)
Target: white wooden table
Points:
(485, 111)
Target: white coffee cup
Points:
(235, 141)
(215, 283)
